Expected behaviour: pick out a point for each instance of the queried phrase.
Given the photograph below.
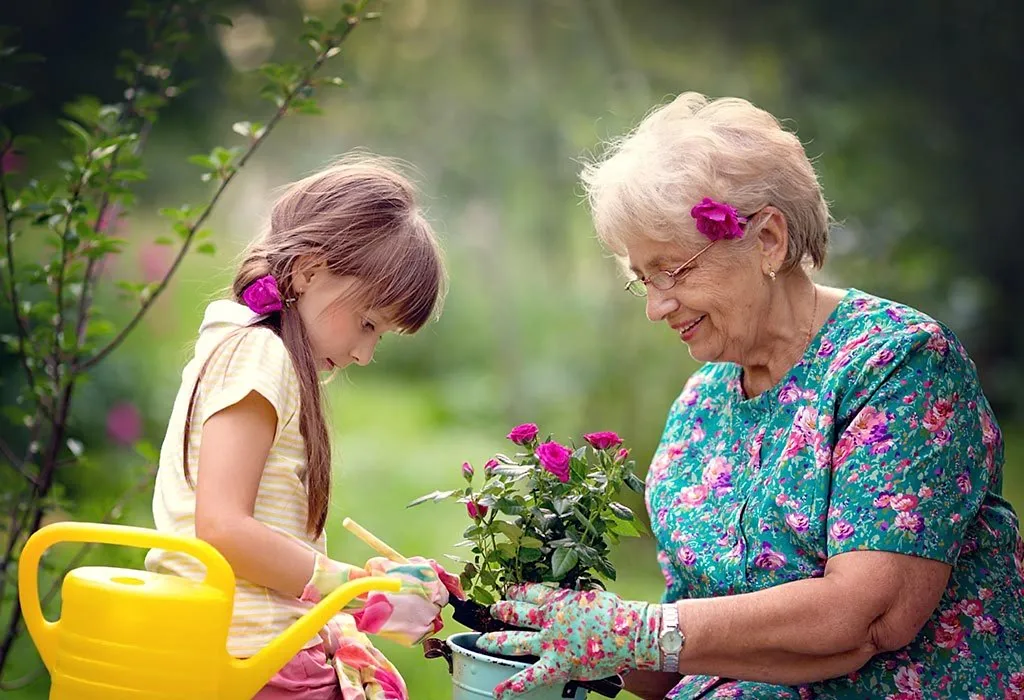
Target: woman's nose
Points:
(659, 304)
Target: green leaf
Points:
(203, 162)
(76, 129)
(634, 483)
(432, 496)
(530, 554)
(130, 175)
(621, 511)
(530, 543)
(207, 248)
(482, 595)
(562, 562)
(508, 549)
(512, 532)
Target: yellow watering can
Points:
(126, 634)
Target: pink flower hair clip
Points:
(718, 220)
(263, 297)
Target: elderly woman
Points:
(826, 497)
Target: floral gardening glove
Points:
(414, 613)
(328, 575)
(583, 635)
(363, 672)
(407, 617)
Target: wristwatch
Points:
(671, 639)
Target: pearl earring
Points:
(771, 273)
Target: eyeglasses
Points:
(662, 281)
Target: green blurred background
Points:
(910, 111)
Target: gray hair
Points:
(727, 149)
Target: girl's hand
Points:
(583, 635)
(412, 614)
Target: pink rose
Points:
(467, 471)
(263, 296)
(602, 441)
(477, 511)
(621, 455)
(489, 466)
(555, 459)
(718, 220)
(522, 434)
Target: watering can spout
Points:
(253, 673)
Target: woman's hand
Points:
(583, 635)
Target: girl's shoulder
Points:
(232, 343)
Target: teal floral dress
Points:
(879, 439)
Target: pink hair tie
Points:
(718, 220)
(262, 296)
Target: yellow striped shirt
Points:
(253, 359)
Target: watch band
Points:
(671, 641)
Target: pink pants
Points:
(308, 676)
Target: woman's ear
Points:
(773, 239)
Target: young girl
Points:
(246, 461)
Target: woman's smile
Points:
(688, 329)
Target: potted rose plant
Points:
(547, 514)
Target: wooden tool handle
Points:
(373, 541)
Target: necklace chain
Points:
(814, 315)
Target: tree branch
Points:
(12, 288)
(303, 84)
(16, 462)
(58, 320)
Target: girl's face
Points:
(342, 328)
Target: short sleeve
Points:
(253, 359)
(912, 465)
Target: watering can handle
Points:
(218, 571)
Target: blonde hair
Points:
(359, 217)
(691, 148)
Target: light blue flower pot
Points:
(474, 674)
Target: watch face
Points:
(671, 642)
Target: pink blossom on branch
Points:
(603, 440)
(522, 434)
(477, 511)
(555, 459)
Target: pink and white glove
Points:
(407, 617)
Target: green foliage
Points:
(545, 514)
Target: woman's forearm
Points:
(260, 554)
(798, 632)
(650, 685)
